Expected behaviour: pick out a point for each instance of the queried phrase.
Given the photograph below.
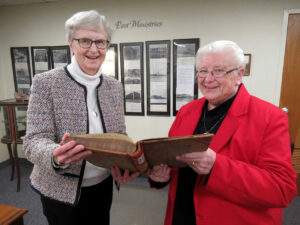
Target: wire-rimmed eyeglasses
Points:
(215, 72)
(87, 43)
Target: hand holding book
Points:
(68, 152)
(122, 177)
(200, 162)
(160, 173)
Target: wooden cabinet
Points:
(10, 215)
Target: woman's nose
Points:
(210, 76)
(93, 47)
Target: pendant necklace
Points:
(213, 126)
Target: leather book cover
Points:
(164, 150)
(112, 149)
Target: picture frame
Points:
(132, 77)
(158, 58)
(248, 64)
(185, 87)
(21, 69)
(110, 64)
(40, 59)
(60, 56)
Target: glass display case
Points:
(4, 123)
(14, 127)
(13, 118)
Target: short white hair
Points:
(221, 46)
(86, 19)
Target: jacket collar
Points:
(241, 103)
(230, 123)
(81, 85)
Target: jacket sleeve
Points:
(39, 141)
(269, 182)
(41, 136)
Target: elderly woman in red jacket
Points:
(245, 177)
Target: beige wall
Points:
(255, 25)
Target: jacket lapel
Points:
(225, 132)
(190, 119)
(230, 124)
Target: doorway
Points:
(290, 94)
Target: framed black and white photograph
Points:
(132, 76)
(158, 77)
(110, 64)
(184, 72)
(248, 64)
(21, 69)
(40, 58)
(60, 56)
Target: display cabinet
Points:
(14, 123)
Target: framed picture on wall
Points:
(132, 76)
(60, 56)
(40, 58)
(21, 69)
(110, 64)
(184, 72)
(248, 64)
(158, 77)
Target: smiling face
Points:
(91, 59)
(218, 90)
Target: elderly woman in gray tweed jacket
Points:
(75, 99)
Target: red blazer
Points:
(252, 178)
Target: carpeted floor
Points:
(134, 204)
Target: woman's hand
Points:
(69, 151)
(123, 178)
(200, 162)
(160, 173)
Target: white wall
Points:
(255, 25)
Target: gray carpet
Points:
(134, 204)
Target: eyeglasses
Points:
(203, 73)
(87, 43)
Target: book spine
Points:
(139, 160)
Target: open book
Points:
(113, 149)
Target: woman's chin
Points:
(209, 94)
(93, 66)
(211, 98)
(91, 71)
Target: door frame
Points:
(286, 14)
(281, 62)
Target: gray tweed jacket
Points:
(57, 105)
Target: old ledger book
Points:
(112, 149)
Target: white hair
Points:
(86, 19)
(221, 46)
